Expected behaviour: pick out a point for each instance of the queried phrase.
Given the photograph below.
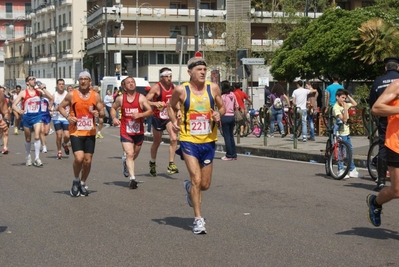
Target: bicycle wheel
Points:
(339, 160)
(327, 153)
(372, 158)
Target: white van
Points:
(110, 82)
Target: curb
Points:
(360, 161)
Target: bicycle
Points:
(338, 155)
(372, 154)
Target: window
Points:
(69, 72)
(9, 8)
(70, 18)
(69, 44)
(50, 49)
(49, 22)
(28, 8)
(64, 19)
(208, 4)
(43, 50)
(367, 3)
(176, 4)
(176, 30)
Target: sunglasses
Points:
(31, 78)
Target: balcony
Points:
(13, 60)
(95, 15)
(11, 15)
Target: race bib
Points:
(132, 127)
(199, 123)
(32, 107)
(84, 123)
(44, 106)
(163, 114)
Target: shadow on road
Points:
(376, 233)
(3, 229)
(184, 223)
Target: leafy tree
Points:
(377, 40)
(325, 46)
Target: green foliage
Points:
(362, 93)
(322, 47)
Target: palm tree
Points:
(376, 41)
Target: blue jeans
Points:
(277, 114)
(311, 124)
(304, 123)
(228, 123)
(347, 139)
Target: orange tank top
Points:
(82, 110)
(392, 133)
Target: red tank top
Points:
(130, 126)
(165, 96)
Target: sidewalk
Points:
(283, 148)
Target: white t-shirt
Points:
(301, 96)
(58, 98)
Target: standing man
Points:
(312, 110)
(86, 106)
(31, 116)
(299, 99)
(241, 97)
(332, 89)
(192, 111)
(159, 97)
(4, 119)
(61, 124)
(135, 108)
(387, 105)
(379, 85)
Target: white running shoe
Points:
(28, 161)
(355, 174)
(148, 134)
(340, 173)
(37, 163)
(44, 149)
(199, 226)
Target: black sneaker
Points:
(83, 190)
(75, 190)
(374, 213)
(153, 171)
(133, 184)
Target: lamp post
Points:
(119, 20)
(138, 13)
(11, 26)
(203, 29)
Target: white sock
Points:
(27, 148)
(37, 148)
(132, 178)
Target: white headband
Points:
(165, 73)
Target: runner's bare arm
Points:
(381, 107)
(66, 102)
(16, 102)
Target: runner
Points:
(159, 97)
(197, 100)
(135, 108)
(4, 119)
(46, 118)
(31, 116)
(85, 107)
(61, 124)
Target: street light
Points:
(203, 29)
(138, 12)
(121, 27)
(11, 26)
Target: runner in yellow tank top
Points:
(387, 105)
(192, 111)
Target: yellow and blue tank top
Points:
(197, 125)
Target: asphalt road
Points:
(259, 212)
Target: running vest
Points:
(81, 109)
(164, 96)
(130, 126)
(31, 104)
(197, 125)
(58, 98)
(392, 133)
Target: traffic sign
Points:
(253, 61)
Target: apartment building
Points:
(14, 25)
(134, 37)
